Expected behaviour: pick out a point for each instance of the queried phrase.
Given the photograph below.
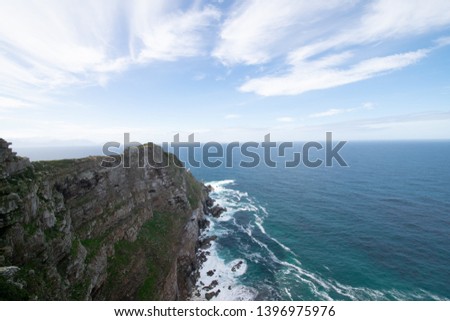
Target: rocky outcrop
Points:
(77, 230)
(10, 163)
(216, 211)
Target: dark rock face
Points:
(80, 231)
(205, 243)
(211, 286)
(217, 210)
(210, 295)
(208, 205)
(209, 201)
(10, 164)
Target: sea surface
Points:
(378, 229)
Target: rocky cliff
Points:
(72, 229)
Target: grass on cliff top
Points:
(156, 243)
(60, 165)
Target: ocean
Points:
(378, 229)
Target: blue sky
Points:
(81, 72)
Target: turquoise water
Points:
(376, 230)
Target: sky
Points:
(85, 72)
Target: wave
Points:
(243, 222)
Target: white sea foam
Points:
(226, 274)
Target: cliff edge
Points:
(72, 229)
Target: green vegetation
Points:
(92, 246)
(156, 244)
(30, 228)
(19, 183)
(55, 164)
(37, 280)
(194, 190)
(74, 248)
(10, 292)
(78, 291)
(52, 233)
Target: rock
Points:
(211, 286)
(48, 219)
(237, 266)
(217, 210)
(9, 272)
(202, 257)
(210, 273)
(203, 224)
(206, 242)
(209, 201)
(210, 295)
(10, 164)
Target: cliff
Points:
(72, 229)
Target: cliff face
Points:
(77, 230)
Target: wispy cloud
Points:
(256, 31)
(337, 111)
(329, 112)
(328, 58)
(382, 122)
(61, 44)
(161, 32)
(12, 103)
(327, 73)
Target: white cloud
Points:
(329, 112)
(258, 30)
(285, 119)
(381, 20)
(326, 57)
(168, 35)
(64, 43)
(314, 75)
(325, 44)
(442, 42)
(386, 18)
(338, 111)
(12, 103)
